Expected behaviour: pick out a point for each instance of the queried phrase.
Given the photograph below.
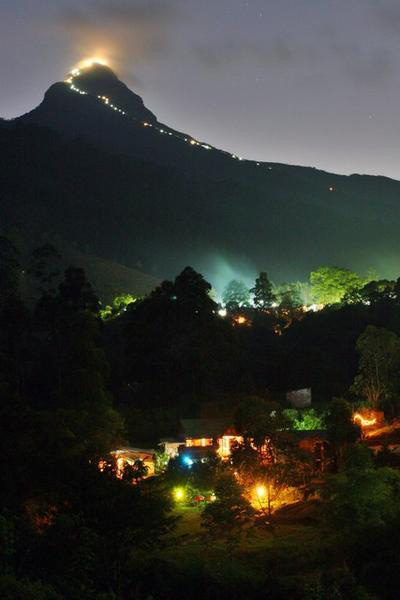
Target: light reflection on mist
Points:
(219, 271)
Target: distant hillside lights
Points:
(90, 62)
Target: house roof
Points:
(130, 450)
(206, 428)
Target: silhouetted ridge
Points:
(100, 80)
(137, 191)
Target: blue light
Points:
(188, 461)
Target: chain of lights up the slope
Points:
(76, 72)
(89, 63)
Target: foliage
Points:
(134, 473)
(377, 378)
(262, 292)
(361, 497)
(236, 294)
(9, 269)
(177, 346)
(258, 419)
(118, 307)
(304, 420)
(330, 284)
(44, 268)
(340, 428)
(161, 460)
(289, 295)
(230, 514)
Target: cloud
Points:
(126, 32)
(278, 52)
(387, 14)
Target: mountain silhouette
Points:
(93, 165)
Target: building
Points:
(129, 456)
(201, 438)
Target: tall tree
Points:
(258, 420)
(377, 379)
(330, 284)
(10, 269)
(340, 428)
(230, 515)
(236, 294)
(263, 295)
(73, 371)
(288, 295)
(44, 268)
(177, 345)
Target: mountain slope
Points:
(133, 189)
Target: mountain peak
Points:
(100, 80)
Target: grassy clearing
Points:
(189, 540)
(282, 559)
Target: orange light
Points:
(363, 421)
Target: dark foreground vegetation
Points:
(73, 387)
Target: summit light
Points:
(87, 63)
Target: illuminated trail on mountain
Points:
(90, 62)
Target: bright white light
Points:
(222, 312)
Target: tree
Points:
(73, 369)
(76, 293)
(44, 268)
(192, 294)
(10, 270)
(263, 295)
(289, 295)
(371, 293)
(305, 420)
(378, 370)
(330, 284)
(177, 345)
(119, 306)
(258, 420)
(134, 473)
(340, 428)
(236, 294)
(361, 497)
(230, 515)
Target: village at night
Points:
(199, 300)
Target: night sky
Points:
(311, 82)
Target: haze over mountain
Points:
(92, 165)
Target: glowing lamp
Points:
(179, 494)
(222, 312)
(261, 491)
(187, 461)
